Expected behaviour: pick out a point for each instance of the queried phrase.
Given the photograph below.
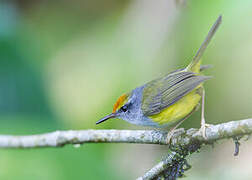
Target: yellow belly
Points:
(179, 110)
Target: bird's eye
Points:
(124, 108)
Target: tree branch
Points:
(187, 143)
(159, 168)
(180, 137)
(182, 142)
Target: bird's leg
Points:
(203, 122)
(172, 130)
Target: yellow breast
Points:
(179, 110)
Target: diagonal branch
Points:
(159, 168)
(182, 138)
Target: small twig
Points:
(237, 146)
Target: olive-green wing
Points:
(163, 92)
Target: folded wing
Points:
(163, 92)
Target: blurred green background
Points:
(64, 63)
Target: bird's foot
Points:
(169, 136)
(202, 129)
(173, 132)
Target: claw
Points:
(202, 130)
(169, 136)
(174, 132)
(208, 125)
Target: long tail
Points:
(194, 66)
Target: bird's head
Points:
(121, 109)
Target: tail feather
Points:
(194, 66)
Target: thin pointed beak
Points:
(112, 115)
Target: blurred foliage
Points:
(64, 63)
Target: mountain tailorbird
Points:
(169, 100)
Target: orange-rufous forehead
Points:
(120, 102)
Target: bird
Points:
(168, 101)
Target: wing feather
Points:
(163, 92)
